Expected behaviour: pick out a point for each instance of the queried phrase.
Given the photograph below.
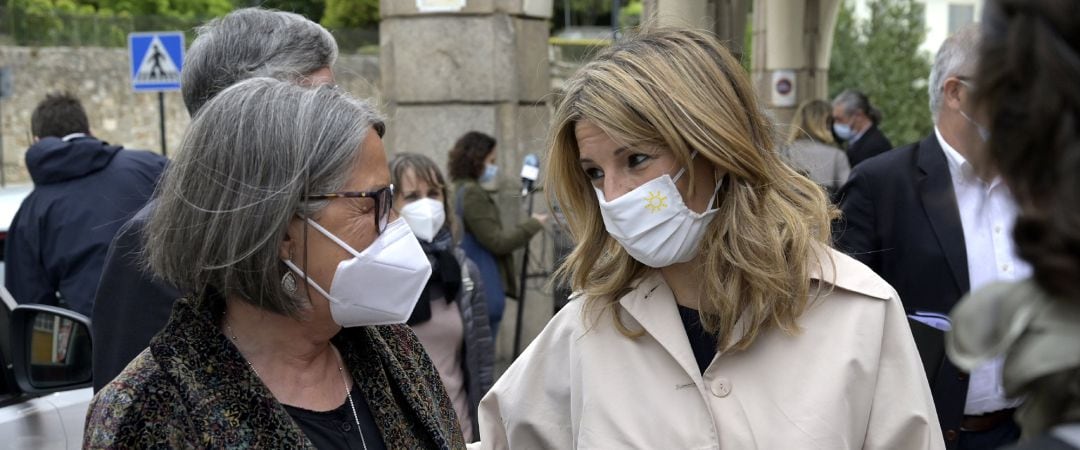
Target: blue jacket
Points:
(84, 190)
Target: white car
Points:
(45, 376)
(11, 197)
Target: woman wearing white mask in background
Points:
(277, 214)
(451, 317)
(710, 311)
(485, 240)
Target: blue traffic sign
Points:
(156, 59)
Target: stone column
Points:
(726, 18)
(483, 67)
(477, 65)
(792, 44)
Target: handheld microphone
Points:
(530, 172)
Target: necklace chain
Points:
(341, 370)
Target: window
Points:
(960, 14)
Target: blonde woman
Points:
(811, 149)
(710, 311)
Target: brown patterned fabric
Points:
(192, 389)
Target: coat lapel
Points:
(652, 305)
(226, 399)
(405, 395)
(939, 204)
(236, 410)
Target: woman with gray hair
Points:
(277, 216)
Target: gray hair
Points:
(955, 57)
(853, 100)
(252, 42)
(240, 175)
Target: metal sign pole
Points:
(6, 88)
(3, 179)
(161, 114)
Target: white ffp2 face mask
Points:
(653, 223)
(377, 286)
(425, 216)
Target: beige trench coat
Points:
(850, 379)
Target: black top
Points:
(702, 342)
(336, 429)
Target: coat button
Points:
(346, 426)
(950, 435)
(721, 387)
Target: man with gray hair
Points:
(855, 121)
(933, 224)
(131, 306)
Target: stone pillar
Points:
(476, 65)
(482, 66)
(726, 18)
(792, 44)
(678, 13)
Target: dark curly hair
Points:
(467, 157)
(1026, 84)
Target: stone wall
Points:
(99, 77)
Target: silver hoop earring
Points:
(288, 283)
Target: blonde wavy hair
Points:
(682, 90)
(812, 121)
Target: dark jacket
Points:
(482, 219)
(193, 389)
(479, 343)
(900, 218)
(84, 190)
(130, 307)
(872, 143)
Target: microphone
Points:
(530, 172)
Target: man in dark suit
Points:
(855, 122)
(131, 306)
(934, 227)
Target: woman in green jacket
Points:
(485, 240)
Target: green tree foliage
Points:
(350, 13)
(312, 9)
(180, 9)
(103, 22)
(584, 12)
(880, 56)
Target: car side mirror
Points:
(50, 348)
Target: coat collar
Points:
(652, 304)
(228, 400)
(939, 204)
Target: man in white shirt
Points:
(932, 224)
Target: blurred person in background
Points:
(131, 305)
(811, 149)
(855, 121)
(925, 219)
(485, 240)
(1026, 95)
(710, 312)
(84, 190)
(451, 318)
(277, 216)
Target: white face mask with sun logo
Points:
(653, 223)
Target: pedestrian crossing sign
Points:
(156, 60)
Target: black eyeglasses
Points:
(384, 203)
